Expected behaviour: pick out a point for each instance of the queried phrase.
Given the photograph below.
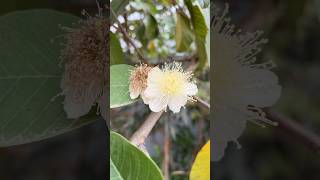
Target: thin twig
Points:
(144, 130)
(297, 130)
(305, 136)
(202, 102)
(188, 58)
(166, 151)
(128, 39)
(180, 173)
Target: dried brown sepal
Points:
(138, 80)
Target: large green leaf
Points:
(114, 173)
(130, 161)
(30, 77)
(184, 34)
(119, 85)
(117, 7)
(116, 53)
(200, 30)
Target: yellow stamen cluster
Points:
(172, 81)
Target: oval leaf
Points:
(151, 25)
(30, 77)
(116, 54)
(200, 29)
(130, 161)
(201, 166)
(119, 85)
(184, 35)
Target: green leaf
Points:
(206, 13)
(116, 53)
(117, 7)
(30, 77)
(140, 32)
(119, 85)
(166, 2)
(114, 173)
(184, 34)
(200, 30)
(130, 161)
(151, 26)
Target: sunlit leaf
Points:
(114, 173)
(201, 167)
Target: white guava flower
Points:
(241, 86)
(168, 87)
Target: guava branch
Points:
(202, 102)
(166, 151)
(139, 137)
(128, 39)
(290, 126)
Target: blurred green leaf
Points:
(151, 25)
(166, 2)
(148, 7)
(30, 77)
(200, 29)
(119, 85)
(130, 161)
(117, 7)
(184, 34)
(116, 53)
(141, 35)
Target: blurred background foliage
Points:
(75, 155)
(292, 27)
(165, 31)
